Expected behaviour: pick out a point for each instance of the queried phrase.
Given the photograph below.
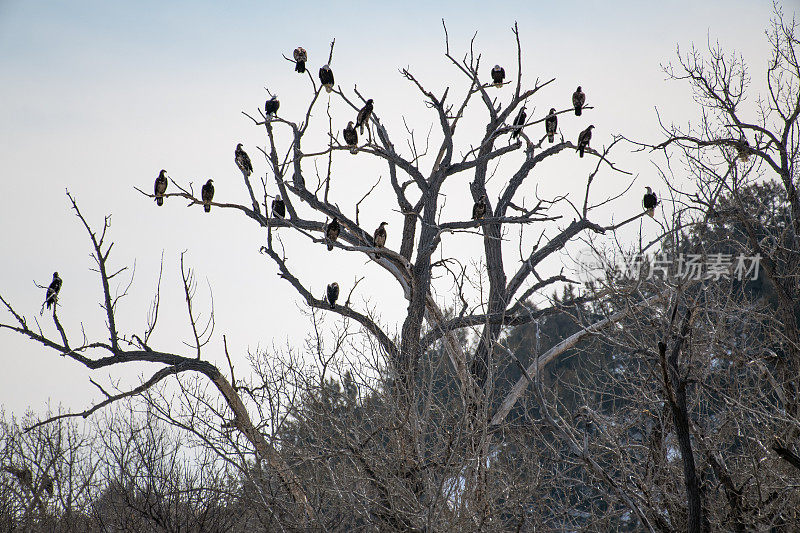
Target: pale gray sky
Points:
(98, 96)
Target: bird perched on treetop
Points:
(207, 195)
(271, 107)
(243, 161)
(479, 209)
(519, 121)
(333, 294)
(278, 207)
(363, 116)
(332, 232)
(498, 74)
(300, 58)
(551, 124)
(160, 187)
(578, 99)
(326, 77)
(351, 137)
(649, 202)
(51, 296)
(583, 140)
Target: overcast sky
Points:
(97, 97)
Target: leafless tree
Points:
(692, 420)
(415, 460)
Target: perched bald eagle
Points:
(278, 207)
(649, 202)
(243, 161)
(743, 150)
(519, 121)
(351, 137)
(51, 296)
(578, 99)
(47, 484)
(498, 74)
(583, 140)
(326, 77)
(363, 116)
(271, 107)
(332, 232)
(379, 238)
(551, 124)
(160, 187)
(333, 294)
(300, 58)
(479, 209)
(207, 194)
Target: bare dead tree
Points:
(417, 179)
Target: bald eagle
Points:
(278, 207)
(333, 294)
(332, 232)
(47, 484)
(51, 296)
(498, 74)
(519, 121)
(271, 107)
(300, 58)
(160, 187)
(578, 99)
(743, 149)
(351, 137)
(583, 140)
(363, 116)
(243, 161)
(326, 77)
(551, 124)
(207, 194)
(479, 209)
(379, 238)
(649, 202)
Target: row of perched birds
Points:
(350, 135)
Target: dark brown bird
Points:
(271, 107)
(326, 77)
(300, 58)
(551, 124)
(519, 122)
(243, 161)
(47, 484)
(207, 195)
(498, 75)
(333, 294)
(479, 209)
(160, 187)
(363, 116)
(743, 149)
(578, 99)
(583, 140)
(278, 207)
(649, 202)
(332, 232)
(51, 296)
(351, 137)
(380, 235)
